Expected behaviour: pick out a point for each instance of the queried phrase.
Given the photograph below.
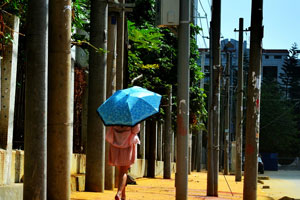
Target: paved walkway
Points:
(164, 189)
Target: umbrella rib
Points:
(129, 111)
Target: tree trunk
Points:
(253, 101)
(168, 137)
(35, 166)
(183, 102)
(151, 131)
(214, 124)
(95, 155)
(60, 118)
(111, 88)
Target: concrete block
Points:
(138, 169)
(78, 163)
(81, 182)
(77, 182)
(11, 192)
(82, 164)
(2, 165)
(73, 183)
(19, 166)
(263, 178)
(159, 168)
(13, 166)
(173, 167)
(74, 163)
(265, 187)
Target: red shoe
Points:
(117, 197)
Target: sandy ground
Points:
(164, 189)
(283, 183)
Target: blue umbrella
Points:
(129, 106)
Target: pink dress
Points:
(122, 140)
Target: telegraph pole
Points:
(95, 155)
(253, 101)
(168, 136)
(227, 115)
(239, 106)
(35, 166)
(110, 89)
(60, 104)
(183, 100)
(120, 47)
(214, 124)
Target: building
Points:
(272, 63)
(272, 59)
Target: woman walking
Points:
(122, 152)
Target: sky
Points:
(281, 20)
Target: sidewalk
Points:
(164, 189)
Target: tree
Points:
(290, 76)
(278, 130)
(153, 54)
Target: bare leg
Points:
(122, 181)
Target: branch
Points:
(22, 34)
(79, 43)
(11, 29)
(137, 78)
(3, 5)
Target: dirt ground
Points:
(164, 189)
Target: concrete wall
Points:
(17, 166)
(78, 165)
(15, 190)
(139, 168)
(11, 192)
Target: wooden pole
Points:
(168, 136)
(95, 155)
(60, 116)
(227, 116)
(239, 106)
(183, 105)
(253, 102)
(214, 127)
(111, 88)
(35, 148)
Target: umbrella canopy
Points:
(129, 106)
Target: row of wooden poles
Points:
(48, 128)
(49, 100)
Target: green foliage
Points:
(151, 45)
(15, 7)
(148, 48)
(11, 7)
(291, 74)
(81, 14)
(143, 11)
(198, 111)
(6, 38)
(278, 127)
(146, 37)
(291, 80)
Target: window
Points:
(266, 56)
(277, 57)
(270, 73)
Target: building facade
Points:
(272, 59)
